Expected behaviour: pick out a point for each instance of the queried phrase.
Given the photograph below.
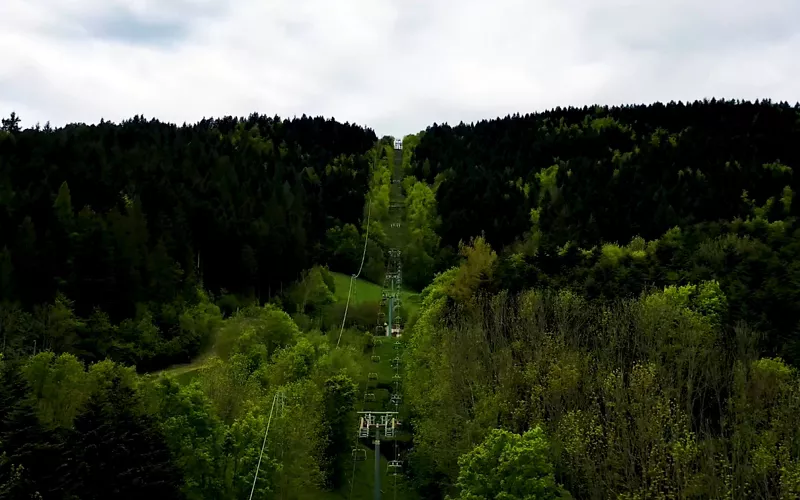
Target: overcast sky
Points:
(393, 65)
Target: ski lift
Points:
(396, 398)
(380, 330)
(376, 359)
(389, 430)
(396, 376)
(396, 361)
(378, 341)
(373, 376)
(370, 396)
(359, 454)
(363, 428)
(395, 467)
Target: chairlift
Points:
(396, 361)
(396, 398)
(396, 376)
(370, 397)
(359, 454)
(376, 359)
(373, 376)
(363, 428)
(395, 467)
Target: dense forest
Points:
(599, 302)
(111, 232)
(610, 201)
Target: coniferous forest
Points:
(598, 302)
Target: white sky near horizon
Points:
(395, 66)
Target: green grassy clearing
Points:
(364, 291)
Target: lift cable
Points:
(269, 421)
(355, 276)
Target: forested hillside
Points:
(617, 314)
(76, 425)
(109, 230)
(596, 303)
(610, 201)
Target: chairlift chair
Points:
(373, 376)
(395, 467)
(359, 454)
(396, 398)
(376, 359)
(396, 376)
(370, 396)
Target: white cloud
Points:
(394, 65)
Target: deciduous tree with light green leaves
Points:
(509, 466)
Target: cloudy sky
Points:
(393, 65)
